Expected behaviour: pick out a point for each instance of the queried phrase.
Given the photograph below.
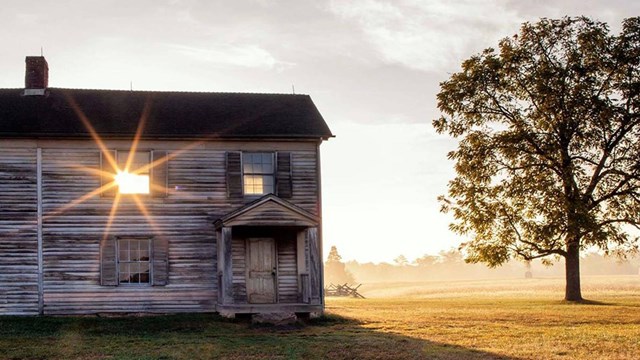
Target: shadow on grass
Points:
(587, 302)
(208, 336)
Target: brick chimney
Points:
(36, 78)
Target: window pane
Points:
(144, 254)
(267, 184)
(257, 163)
(267, 163)
(252, 184)
(247, 167)
(144, 273)
(134, 273)
(139, 160)
(124, 250)
(124, 272)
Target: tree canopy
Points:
(548, 161)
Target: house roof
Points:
(268, 210)
(116, 114)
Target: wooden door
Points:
(261, 271)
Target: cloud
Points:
(429, 35)
(249, 56)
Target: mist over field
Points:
(450, 266)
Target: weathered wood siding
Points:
(18, 232)
(197, 195)
(72, 238)
(239, 253)
(270, 214)
(287, 271)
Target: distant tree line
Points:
(450, 265)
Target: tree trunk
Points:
(572, 272)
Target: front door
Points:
(261, 270)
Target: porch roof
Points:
(268, 210)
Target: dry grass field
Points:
(510, 319)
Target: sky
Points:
(372, 67)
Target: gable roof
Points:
(116, 113)
(268, 210)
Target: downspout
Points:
(320, 242)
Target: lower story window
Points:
(134, 261)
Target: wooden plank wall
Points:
(72, 235)
(18, 232)
(72, 241)
(287, 271)
(238, 258)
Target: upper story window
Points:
(133, 172)
(127, 172)
(254, 173)
(258, 173)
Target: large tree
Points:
(548, 161)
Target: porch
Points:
(269, 259)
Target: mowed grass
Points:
(507, 319)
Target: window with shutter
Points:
(139, 172)
(134, 261)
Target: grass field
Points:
(510, 319)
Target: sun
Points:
(129, 183)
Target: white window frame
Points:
(149, 261)
(272, 174)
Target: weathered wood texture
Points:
(239, 255)
(226, 282)
(72, 238)
(287, 271)
(271, 214)
(261, 270)
(74, 225)
(315, 283)
(18, 232)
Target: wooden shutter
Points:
(160, 261)
(108, 263)
(283, 175)
(108, 172)
(159, 173)
(234, 174)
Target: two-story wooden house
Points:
(138, 201)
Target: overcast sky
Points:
(372, 68)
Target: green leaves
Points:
(549, 135)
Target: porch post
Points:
(314, 266)
(225, 270)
